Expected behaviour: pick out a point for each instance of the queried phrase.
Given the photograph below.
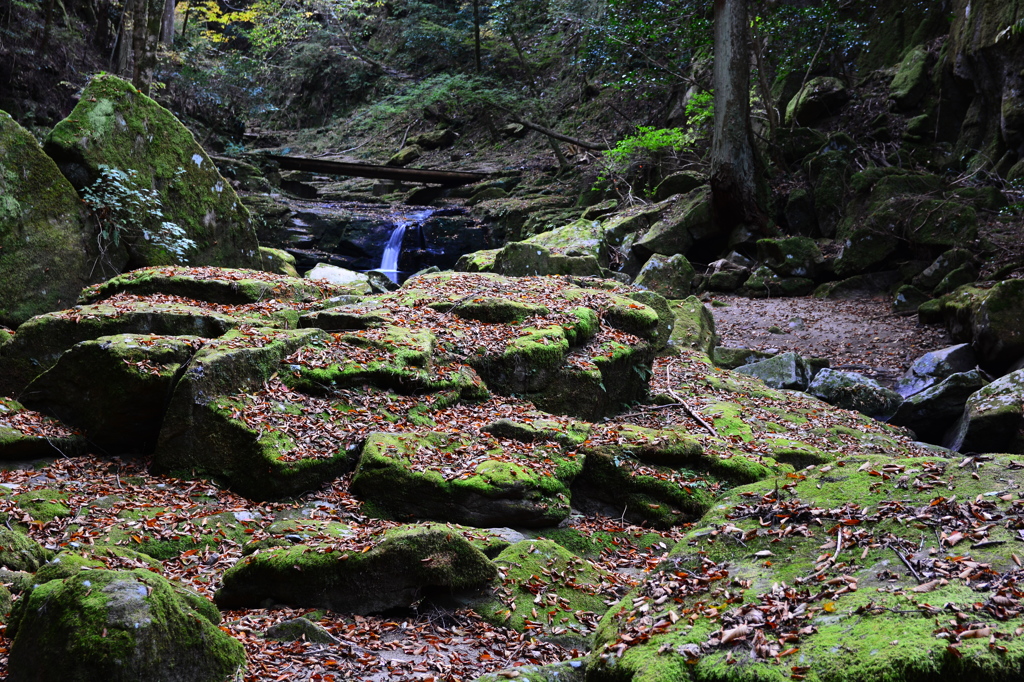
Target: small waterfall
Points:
(389, 263)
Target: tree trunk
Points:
(167, 25)
(734, 163)
(139, 23)
(476, 34)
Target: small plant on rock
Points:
(126, 212)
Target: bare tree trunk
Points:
(139, 24)
(734, 162)
(167, 25)
(476, 34)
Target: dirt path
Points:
(860, 335)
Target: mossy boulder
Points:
(731, 358)
(686, 222)
(405, 155)
(661, 337)
(38, 343)
(114, 125)
(820, 97)
(911, 82)
(19, 552)
(564, 671)
(785, 370)
(680, 182)
(852, 391)
(28, 435)
(212, 285)
(791, 256)
(520, 259)
(114, 388)
(857, 611)
(764, 282)
(829, 172)
(296, 629)
(583, 237)
(991, 320)
(931, 368)
(46, 246)
(215, 427)
(397, 568)
(549, 592)
(993, 418)
(278, 261)
(452, 478)
(119, 626)
(694, 326)
(478, 261)
(670, 276)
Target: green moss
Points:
(43, 505)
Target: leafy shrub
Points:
(126, 212)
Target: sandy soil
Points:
(859, 335)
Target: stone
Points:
(791, 256)
(401, 566)
(853, 391)
(583, 237)
(486, 194)
(911, 82)
(785, 370)
(356, 283)
(519, 259)
(503, 488)
(680, 182)
(296, 629)
(670, 276)
(119, 626)
(820, 97)
(928, 413)
(405, 156)
(965, 274)
(940, 267)
(798, 143)
(829, 172)
(26, 435)
(685, 223)
(993, 418)
(606, 207)
(991, 319)
(931, 368)
(694, 326)
(799, 212)
(907, 299)
(380, 282)
(731, 358)
(116, 126)
(19, 552)
(859, 286)
(763, 282)
(114, 388)
(668, 318)
(435, 139)
(211, 285)
(46, 249)
(278, 261)
(574, 670)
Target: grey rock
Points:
(933, 367)
(853, 391)
(787, 370)
(300, 628)
(930, 412)
(992, 418)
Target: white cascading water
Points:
(389, 263)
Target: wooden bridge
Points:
(445, 178)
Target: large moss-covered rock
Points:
(520, 259)
(687, 222)
(991, 320)
(791, 256)
(911, 83)
(819, 97)
(785, 370)
(852, 391)
(19, 552)
(396, 569)
(931, 368)
(583, 237)
(993, 418)
(114, 388)
(120, 626)
(114, 125)
(670, 276)
(845, 602)
(478, 482)
(46, 245)
(694, 326)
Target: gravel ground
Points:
(860, 335)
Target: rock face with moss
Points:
(114, 125)
(397, 569)
(119, 626)
(850, 591)
(46, 248)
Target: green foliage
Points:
(627, 160)
(126, 212)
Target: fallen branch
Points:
(906, 563)
(559, 136)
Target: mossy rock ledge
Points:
(121, 626)
(401, 566)
(874, 570)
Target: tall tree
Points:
(734, 162)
